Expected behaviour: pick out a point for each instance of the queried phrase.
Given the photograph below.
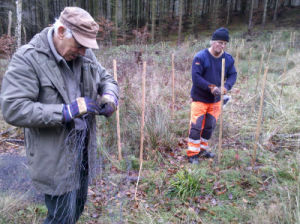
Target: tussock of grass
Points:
(187, 183)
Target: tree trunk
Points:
(250, 25)
(228, 12)
(95, 9)
(173, 8)
(214, 14)
(161, 17)
(193, 9)
(137, 14)
(275, 11)
(115, 16)
(37, 16)
(45, 5)
(153, 20)
(265, 12)
(124, 19)
(180, 21)
(19, 22)
(9, 23)
(108, 10)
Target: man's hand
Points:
(82, 105)
(216, 91)
(108, 104)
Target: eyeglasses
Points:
(222, 43)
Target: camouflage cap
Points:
(83, 26)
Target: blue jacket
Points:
(206, 70)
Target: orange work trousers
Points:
(203, 121)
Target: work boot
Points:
(206, 154)
(194, 159)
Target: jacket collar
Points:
(40, 42)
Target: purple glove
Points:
(108, 104)
(80, 106)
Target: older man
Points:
(206, 91)
(51, 89)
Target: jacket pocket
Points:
(48, 93)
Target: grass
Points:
(170, 189)
(15, 209)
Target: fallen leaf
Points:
(244, 200)
(221, 192)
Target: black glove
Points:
(107, 104)
(216, 91)
(80, 106)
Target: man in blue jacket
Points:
(206, 92)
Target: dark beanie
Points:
(221, 34)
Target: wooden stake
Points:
(221, 111)
(257, 80)
(249, 61)
(291, 39)
(259, 117)
(283, 74)
(237, 59)
(259, 71)
(269, 55)
(138, 180)
(294, 37)
(173, 86)
(249, 66)
(142, 125)
(118, 115)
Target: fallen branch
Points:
(12, 140)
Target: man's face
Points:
(218, 46)
(71, 49)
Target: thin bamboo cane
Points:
(173, 86)
(257, 80)
(269, 55)
(237, 60)
(294, 37)
(258, 127)
(138, 180)
(291, 39)
(221, 111)
(142, 125)
(249, 66)
(249, 60)
(283, 74)
(118, 116)
(259, 71)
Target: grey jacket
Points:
(32, 96)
